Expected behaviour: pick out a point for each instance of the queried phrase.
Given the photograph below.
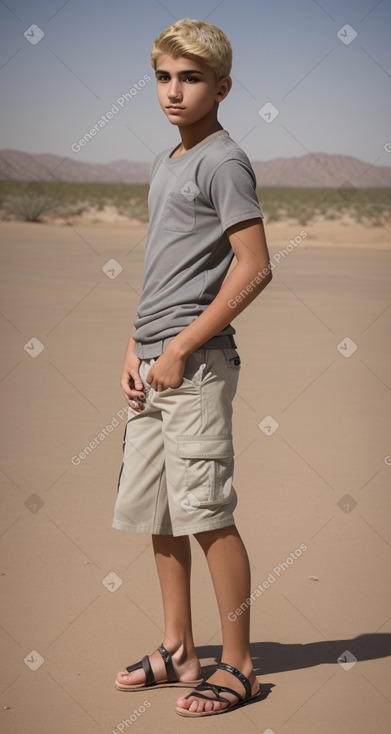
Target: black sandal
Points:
(217, 690)
(171, 682)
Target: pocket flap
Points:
(205, 447)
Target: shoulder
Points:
(226, 159)
(223, 149)
(230, 183)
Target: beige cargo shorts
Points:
(178, 457)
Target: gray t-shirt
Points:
(192, 200)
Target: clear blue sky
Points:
(332, 97)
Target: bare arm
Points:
(244, 282)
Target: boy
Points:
(181, 369)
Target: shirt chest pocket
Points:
(180, 214)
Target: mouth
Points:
(174, 108)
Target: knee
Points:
(208, 537)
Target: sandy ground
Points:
(81, 600)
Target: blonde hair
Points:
(196, 38)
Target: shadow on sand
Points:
(275, 657)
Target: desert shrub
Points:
(38, 207)
(27, 207)
(34, 200)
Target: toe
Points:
(128, 679)
(183, 703)
(122, 677)
(217, 706)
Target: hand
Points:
(167, 371)
(131, 383)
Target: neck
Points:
(191, 135)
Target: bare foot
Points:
(187, 668)
(220, 678)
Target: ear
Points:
(223, 88)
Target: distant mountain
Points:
(319, 169)
(312, 170)
(18, 166)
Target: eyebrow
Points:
(187, 71)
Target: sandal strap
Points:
(146, 665)
(240, 676)
(217, 690)
(171, 675)
(149, 676)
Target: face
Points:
(187, 89)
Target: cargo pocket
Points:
(209, 468)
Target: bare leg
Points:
(173, 561)
(230, 571)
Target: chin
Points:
(173, 122)
(178, 123)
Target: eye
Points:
(162, 77)
(191, 79)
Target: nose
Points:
(174, 92)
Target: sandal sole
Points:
(163, 684)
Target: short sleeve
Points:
(233, 193)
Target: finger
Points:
(135, 405)
(125, 388)
(129, 389)
(131, 392)
(136, 379)
(135, 395)
(137, 398)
